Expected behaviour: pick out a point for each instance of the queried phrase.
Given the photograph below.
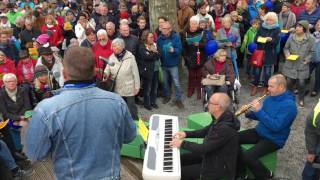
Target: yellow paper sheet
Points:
(143, 130)
(262, 40)
(284, 31)
(293, 57)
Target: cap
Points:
(23, 54)
(45, 51)
(40, 70)
(304, 24)
(43, 38)
(67, 26)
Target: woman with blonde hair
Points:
(221, 65)
(269, 31)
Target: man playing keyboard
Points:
(216, 158)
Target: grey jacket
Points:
(291, 22)
(298, 69)
(312, 134)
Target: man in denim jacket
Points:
(83, 127)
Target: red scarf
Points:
(218, 66)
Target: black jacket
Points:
(147, 59)
(270, 57)
(27, 36)
(189, 51)
(14, 110)
(219, 148)
(132, 45)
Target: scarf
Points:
(218, 66)
(12, 94)
(273, 26)
(121, 55)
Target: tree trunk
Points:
(166, 8)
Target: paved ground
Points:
(290, 158)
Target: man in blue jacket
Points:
(83, 127)
(170, 47)
(311, 14)
(275, 116)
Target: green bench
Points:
(200, 120)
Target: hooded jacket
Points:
(219, 148)
(275, 117)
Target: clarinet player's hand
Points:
(256, 106)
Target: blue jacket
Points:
(275, 117)
(83, 130)
(169, 59)
(311, 18)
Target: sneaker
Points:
(22, 173)
(147, 107)
(155, 106)
(313, 93)
(296, 91)
(270, 175)
(179, 105)
(166, 100)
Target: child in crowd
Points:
(249, 38)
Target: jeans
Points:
(234, 63)
(316, 67)
(212, 89)
(130, 100)
(310, 173)
(265, 76)
(150, 87)
(6, 156)
(174, 73)
(250, 158)
(301, 86)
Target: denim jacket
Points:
(83, 130)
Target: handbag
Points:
(109, 84)
(214, 80)
(257, 58)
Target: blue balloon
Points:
(268, 4)
(211, 47)
(252, 46)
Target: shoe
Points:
(22, 173)
(270, 175)
(179, 105)
(19, 156)
(301, 103)
(254, 91)
(313, 93)
(138, 101)
(166, 100)
(295, 91)
(147, 107)
(155, 106)
(190, 92)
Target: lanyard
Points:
(78, 85)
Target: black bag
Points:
(109, 84)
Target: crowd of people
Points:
(41, 41)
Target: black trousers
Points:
(190, 166)
(130, 100)
(301, 83)
(250, 158)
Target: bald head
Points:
(221, 99)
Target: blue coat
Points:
(275, 117)
(311, 18)
(169, 59)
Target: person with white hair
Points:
(101, 49)
(193, 42)
(125, 74)
(18, 27)
(271, 32)
(111, 31)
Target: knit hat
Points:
(23, 54)
(43, 39)
(45, 51)
(67, 26)
(40, 70)
(304, 24)
(124, 15)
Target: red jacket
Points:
(56, 34)
(5, 68)
(20, 75)
(103, 51)
(297, 9)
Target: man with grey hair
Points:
(216, 157)
(275, 116)
(111, 30)
(102, 48)
(131, 41)
(18, 27)
(28, 34)
(102, 17)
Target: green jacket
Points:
(12, 16)
(248, 38)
